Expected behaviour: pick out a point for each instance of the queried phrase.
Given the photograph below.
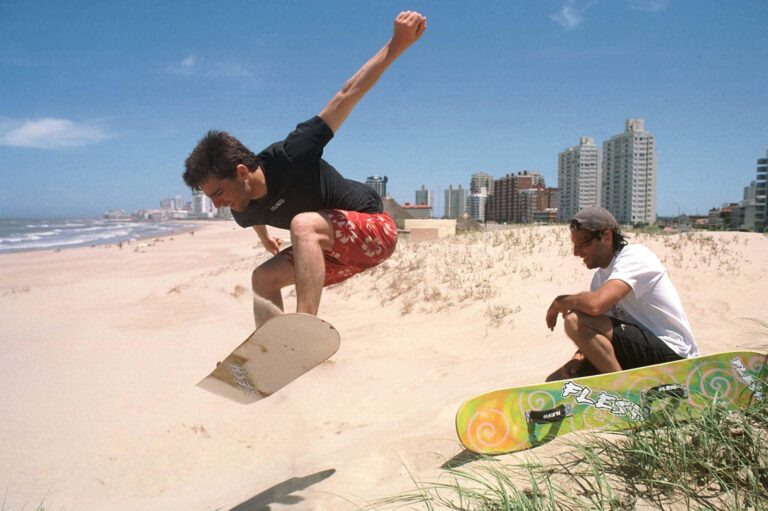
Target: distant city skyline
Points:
(102, 112)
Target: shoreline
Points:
(183, 227)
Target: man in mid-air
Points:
(338, 227)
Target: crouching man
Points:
(631, 317)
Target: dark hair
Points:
(217, 154)
(619, 241)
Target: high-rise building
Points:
(202, 206)
(455, 202)
(629, 175)
(476, 204)
(481, 180)
(378, 183)
(173, 204)
(578, 178)
(502, 206)
(761, 191)
(424, 197)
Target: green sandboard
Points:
(519, 418)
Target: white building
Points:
(578, 178)
(424, 197)
(202, 206)
(455, 202)
(629, 175)
(173, 205)
(481, 180)
(378, 183)
(761, 194)
(476, 203)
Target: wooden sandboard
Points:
(278, 352)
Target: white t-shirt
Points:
(653, 302)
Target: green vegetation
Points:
(716, 461)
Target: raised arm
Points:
(409, 26)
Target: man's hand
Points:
(554, 309)
(271, 244)
(409, 26)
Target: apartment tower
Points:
(480, 180)
(455, 202)
(578, 178)
(629, 175)
(761, 192)
(424, 197)
(379, 184)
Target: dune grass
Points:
(717, 461)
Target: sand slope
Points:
(102, 348)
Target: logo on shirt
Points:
(277, 204)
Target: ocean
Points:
(24, 234)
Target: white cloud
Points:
(568, 17)
(649, 5)
(50, 133)
(571, 15)
(193, 65)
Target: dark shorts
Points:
(634, 346)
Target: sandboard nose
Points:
(278, 352)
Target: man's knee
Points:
(261, 281)
(572, 322)
(271, 276)
(577, 323)
(312, 227)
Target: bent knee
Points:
(260, 280)
(312, 227)
(270, 277)
(306, 223)
(572, 321)
(576, 321)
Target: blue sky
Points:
(101, 102)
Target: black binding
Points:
(664, 391)
(550, 416)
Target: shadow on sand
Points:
(282, 493)
(460, 459)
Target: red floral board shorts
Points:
(361, 241)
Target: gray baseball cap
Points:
(593, 218)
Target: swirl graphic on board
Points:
(488, 428)
(594, 418)
(538, 400)
(712, 382)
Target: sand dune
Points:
(102, 348)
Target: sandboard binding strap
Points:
(550, 416)
(667, 390)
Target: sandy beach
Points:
(102, 348)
